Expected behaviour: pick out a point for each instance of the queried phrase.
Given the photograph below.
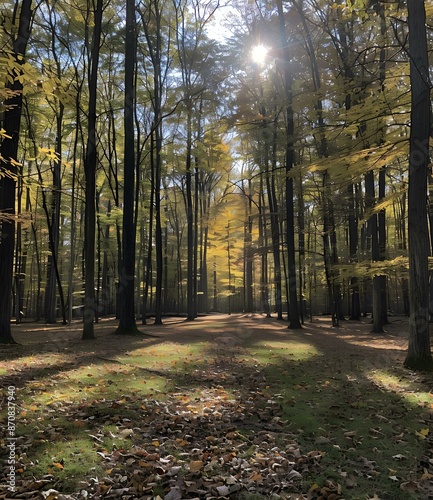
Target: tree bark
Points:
(419, 352)
(289, 160)
(9, 153)
(126, 289)
(90, 183)
(191, 272)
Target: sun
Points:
(259, 53)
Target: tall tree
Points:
(90, 163)
(152, 18)
(53, 214)
(127, 324)
(8, 170)
(419, 351)
(289, 161)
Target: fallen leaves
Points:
(422, 433)
(196, 465)
(222, 430)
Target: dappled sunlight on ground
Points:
(222, 404)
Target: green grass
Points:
(69, 461)
(357, 427)
(91, 399)
(164, 356)
(352, 424)
(276, 352)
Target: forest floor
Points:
(237, 407)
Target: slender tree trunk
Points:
(249, 253)
(375, 255)
(204, 264)
(355, 312)
(419, 352)
(105, 283)
(9, 153)
(329, 252)
(289, 161)
(20, 252)
(54, 228)
(191, 275)
(263, 246)
(148, 261)
(73, 216)
(158, 229)
(90, 161)
(430, 217)
(157, 130)
(301, 259)
(275, 235)
(381, 217)
(126, 289)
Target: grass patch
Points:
(69, 461)
(164, 356)
(368, 439)
(208, 405)
(394, 381)
(275, 352)
(74, 413)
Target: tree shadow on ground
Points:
(258, 409)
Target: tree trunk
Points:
(126, 289)
(90, 161)
(191, 274)
(9, 153)
(375, 254)
(249, 306)
(263, 246)
(21, 251)
(275, 236)
(54, 229)
(419, 352)
(355, 312)
(381, 218)
(148, 261)
(289, 160)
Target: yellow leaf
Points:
(58, 465)
(426, 476)
(422, 434)
(196, 465)
(3, 134)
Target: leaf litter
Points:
(206, 442)
(217, 434)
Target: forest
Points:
(192, 156)
(216, 241)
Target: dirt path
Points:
(237, 328)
